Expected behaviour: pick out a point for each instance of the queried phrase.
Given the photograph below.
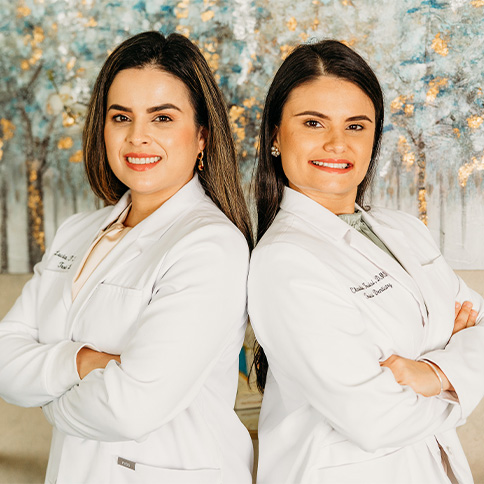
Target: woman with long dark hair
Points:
(370, 355)
(129, 332)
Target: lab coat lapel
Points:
(324, 221)
(409, 269)
(133, 243)
(88, 240)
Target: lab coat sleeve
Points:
(317, 343)
(198, 307)
(462, 360)
(32, 373)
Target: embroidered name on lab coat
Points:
(66, 261)
(368, 287)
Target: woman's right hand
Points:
(88, 360)
(465, 316)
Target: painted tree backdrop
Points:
(428, 55)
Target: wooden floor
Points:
(25, 434)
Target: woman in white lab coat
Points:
(129, 332)
(354, 308)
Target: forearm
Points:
(31, 373)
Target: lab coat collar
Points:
(184, 198)
(131, 245)
(312, 212)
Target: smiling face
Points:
(325, 137)
(152, 139)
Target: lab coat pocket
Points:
(128, 472)
(108, 318)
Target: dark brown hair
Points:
(178, 56)
(306, 63)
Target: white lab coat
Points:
(171, 299)
(327, 305)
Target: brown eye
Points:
(162, 118)
(312, 123)
(120, 118)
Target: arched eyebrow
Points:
(154, 109)
(360, 117)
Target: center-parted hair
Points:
(178, 56)
(306, 63)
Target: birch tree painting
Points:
(428, 55)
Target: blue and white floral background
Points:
(428, 55)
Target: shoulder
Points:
(80, 223)
(416, 233)
(207, 231)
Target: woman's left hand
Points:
(418, 375)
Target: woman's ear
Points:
(275, 137)
(202, 138)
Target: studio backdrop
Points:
(428, 55)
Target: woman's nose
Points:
(138, 135)
(335, 142)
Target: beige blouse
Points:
(100, 248)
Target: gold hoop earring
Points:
(200, 161)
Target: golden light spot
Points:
(349, 43)
(434, 88)
(291, 24)
(91, 22)
(457, 132)
(315, 24)
(440, 45)
(347, 3)
(238, 123)
(408, 156)
(36, 56)
(208, 15)
(303, 36)
(54, 27)
(38, 36)
(235, 112)
(477, 3)
(210, 54)
(285, 50)
(65, 143)
(71, 64)
(183, 30)
(23, 11)
(25, 65)
(8, 129)
(474, 121)
(68, 120)
(397, 104)
(248, 103)
(181, 10)
(422, 205)
(409, 109)
(465, 171)
(76, 157)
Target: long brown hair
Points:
(178, 56)
(307, 62)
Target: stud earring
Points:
(200, 161)
(275, 151)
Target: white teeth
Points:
(341, 166)
(143, 161)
